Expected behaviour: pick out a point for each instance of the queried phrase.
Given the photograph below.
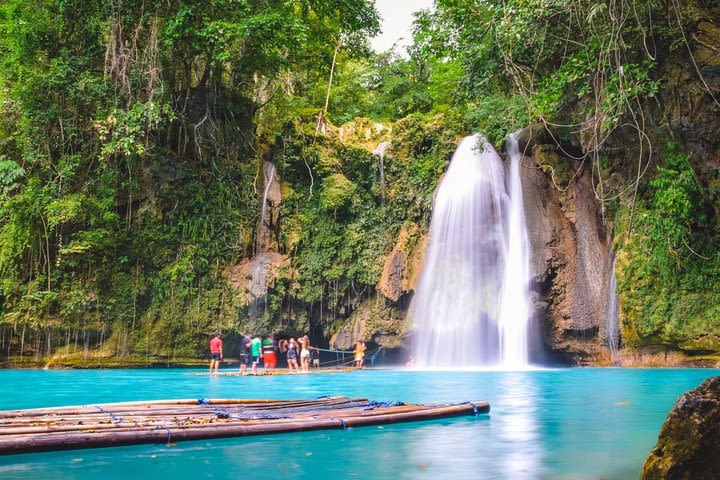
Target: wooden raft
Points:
(168, 421)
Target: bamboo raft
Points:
(169, 421)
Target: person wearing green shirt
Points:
(255, 347)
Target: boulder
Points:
(688, 446)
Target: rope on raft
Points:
(115, 418)
(223, 413)
(333, 351)
(160, 427)
(476, 410)
(343, 423)
(367, 406)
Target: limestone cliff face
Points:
(571, 254)
(251, 278)
(383, 319)
(404, 263)
(270, 199)
(375, 320)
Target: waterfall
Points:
(264, 232)
(612, 327)
(380, 152)
(471, 304)
(261, 262)
(515, 309)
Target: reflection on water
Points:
(519, 428)
(546, 424)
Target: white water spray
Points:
(471, 305)
(515, 310)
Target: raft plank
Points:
(130, 423)
(143, 405)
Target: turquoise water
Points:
(545, 424)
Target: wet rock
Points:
(404, 263)
(373, 321)
(252, 277)
(688, 446)
(571, 259)
(531, 136)
(656, 356)
(270, 199)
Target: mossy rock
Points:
(558, 167)
(705, 343)
(689, 441)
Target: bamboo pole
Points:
(141, 405)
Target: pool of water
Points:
(581, 423)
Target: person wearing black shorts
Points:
(215, 352)
(245, 343)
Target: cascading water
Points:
(612, 327)
(264, 232)
(259, 275)
(380, 152)
(515, 310)
(471, 307)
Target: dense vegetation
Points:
(131, 134)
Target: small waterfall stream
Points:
(380, 153)
(261, 262)
(264, 231)
(612, 327)
(471, 304)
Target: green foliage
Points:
(340, 235)
(10, 174)
(337, 192)
(497, 115)
(669, 269)
(127, 175)
(129, 159)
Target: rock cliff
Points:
(571, 253)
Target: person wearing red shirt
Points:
(215, 353)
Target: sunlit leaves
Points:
(10, 174)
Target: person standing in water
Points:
(255, 352)
(215, 352)
(245, 344)
(359, 354)
(269, 346)
(292, 354)
(305, 353)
